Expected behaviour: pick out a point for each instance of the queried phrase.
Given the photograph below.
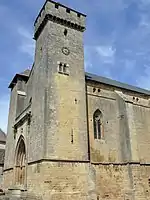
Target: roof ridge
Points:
(2, 136)
(109, 81)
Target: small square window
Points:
(79, 15)
(56, 6)
(68, 10)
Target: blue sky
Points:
(117, 41)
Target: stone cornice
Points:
(49, 17)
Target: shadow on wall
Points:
(20, 197)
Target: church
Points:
(73, 135)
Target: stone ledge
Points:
(49, 17)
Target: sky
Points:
(116, 41)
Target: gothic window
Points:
(97, 120)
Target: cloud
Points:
(4, 107)
(106, 53)
(88, 60)
(27, 43)
(100, 59)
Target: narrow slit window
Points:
(99, 129)
(65, 68)
(97, 122)
(30, 101)
(65, 32)
(60, 67)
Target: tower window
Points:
(63, 68)
(68, 10)
(60, 67)
(56, 6)
(79, 15)
(97, 123)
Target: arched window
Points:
(97, 120)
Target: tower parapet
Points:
(60, 14)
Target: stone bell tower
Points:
(59, 111)
(47, 147)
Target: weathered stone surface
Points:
(54, 119)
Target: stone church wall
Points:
(141, 124)
(61, 180)
(117, 182)
(63, 159)
(9, 152)
(112, 147)
(121, 157)
(8, 178)
(125, 125)
(53, 180)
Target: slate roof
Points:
(25, 75)
(107, 81)
(91, 77)
(2, 136)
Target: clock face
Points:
(65, 51)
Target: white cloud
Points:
(25, 33)
(27, 43)
(88, 60)
(107, 53)
(4, 107)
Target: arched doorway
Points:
(20, 172)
